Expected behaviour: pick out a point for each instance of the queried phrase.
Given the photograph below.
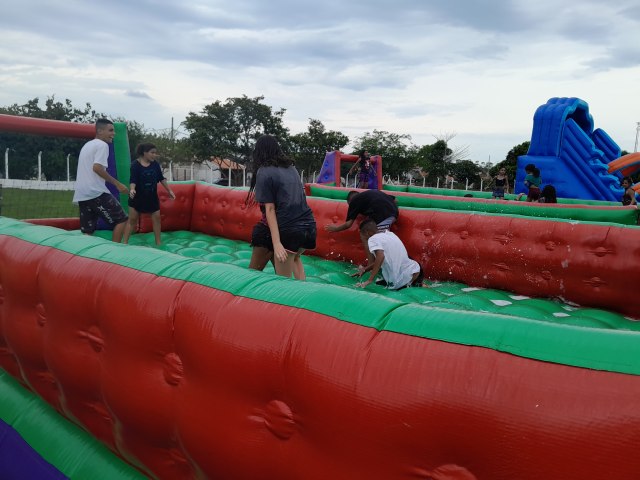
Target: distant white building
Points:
(210, 171)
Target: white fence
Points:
(37, 184)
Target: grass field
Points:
(22, 203)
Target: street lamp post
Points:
(635, 148)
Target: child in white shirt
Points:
(390, 256)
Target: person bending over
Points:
(373, 204)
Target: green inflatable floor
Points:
(449, 295)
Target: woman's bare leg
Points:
(132, 224)
(298, 267)
(285, 269)
(260, 256)
(157, 227)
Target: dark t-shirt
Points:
(146, 180)
(283, 188)
(373, 204)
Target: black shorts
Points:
(292, 240)
(148, 203)
(106, 207)
(534, 194)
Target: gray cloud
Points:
(137, 94)
(362, 52)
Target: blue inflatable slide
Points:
(571, 155)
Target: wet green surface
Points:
(448, 295)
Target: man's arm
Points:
(166, 186)
(102, 173)
(338, 228)
(377, 264)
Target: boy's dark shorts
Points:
(106, 207)
(534, 194)
(292, 240)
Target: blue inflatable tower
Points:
(570, 154)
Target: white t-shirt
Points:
(397, 267)
(89, 184)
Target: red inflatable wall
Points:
(588, 264)
(191, 382)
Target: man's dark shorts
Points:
(106, 207)
(292, 240)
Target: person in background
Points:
(398, 270)
(91, 193)
(143, 190)
(500, 184)
(548, 195)
(532, 181)
(629, 195)
(373, 204)
(287, 228)
(365, 169)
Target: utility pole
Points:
(171, 152)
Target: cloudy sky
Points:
(476, 69)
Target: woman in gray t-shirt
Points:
(287, 227)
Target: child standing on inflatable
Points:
(143, 190)
(629, 195)
(532, 181)
(365, 169)
(290, 228)
(500, 184)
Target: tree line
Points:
(229, 129)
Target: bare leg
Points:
(285, 268)
(298, 267)
(118, 230)
(260, 256)
(132, 225)
(155, 223)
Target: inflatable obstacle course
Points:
(254, 363)
(571, 155)
(588, 213)
(193, 368)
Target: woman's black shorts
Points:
(292, 240)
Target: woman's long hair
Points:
(143, 148)
(266, 153)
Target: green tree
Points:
(398, 154)
(24, 149)
(434, 160)
(230, 129)
(171, 149)
(510, 163)
(308, 149)
(466, 171)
